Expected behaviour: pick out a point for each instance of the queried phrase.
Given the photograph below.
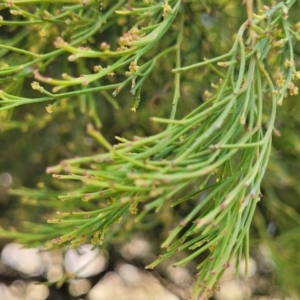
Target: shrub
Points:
(196, 168)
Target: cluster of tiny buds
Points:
(280, 80)
(104, 46)
(59, 42)
(128, 37)
(293, 90)
(289, 63)
(133, 68)
(36, 86)
(167, 9)
(207, 95)
(84, 48)
(98, 68)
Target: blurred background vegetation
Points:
(32, 139)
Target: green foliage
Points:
(208, 149)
